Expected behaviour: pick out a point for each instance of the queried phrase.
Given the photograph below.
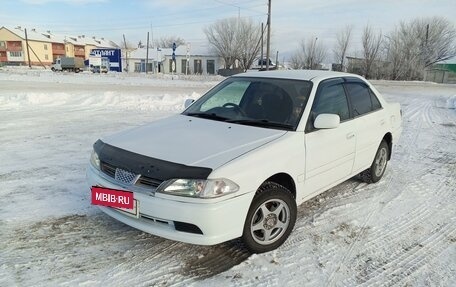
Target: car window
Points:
(375, 102)
(231, 93)
(259, 101)
(332, 100)
(360, 98)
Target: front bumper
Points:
(217, 221)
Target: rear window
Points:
(361, 99)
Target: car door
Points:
(330, 153)
(370, 120)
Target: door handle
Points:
(350, 136)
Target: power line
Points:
(148, 26)
(156, 17)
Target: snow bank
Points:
(113, 78)
(108, 100)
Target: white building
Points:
(198, 60)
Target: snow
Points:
(400, 231)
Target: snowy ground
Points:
(401, 231)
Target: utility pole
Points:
(126, 52)
(28, 51)
(427, 34)
(268, 42)
(147, 51)
(262, 48)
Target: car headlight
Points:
(204, 188)
(94, 160)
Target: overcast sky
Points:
(292, 20)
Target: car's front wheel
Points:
(270, 219)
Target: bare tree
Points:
(167, 42)
(418, 44)
(394, 49)
(235, 39)
(296, 61)
(222, 36)
(402, 54)
(342, 43)
(248, 41)
(371, 48)
(310, 54)
(436, 37)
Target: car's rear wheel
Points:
(378, 167)
(270, 219)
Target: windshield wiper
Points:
(262, 123)
(211, 116)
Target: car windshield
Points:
(264, 102)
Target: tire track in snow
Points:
(407, 260)
(401, 228)
(393, 185)
(328, 254)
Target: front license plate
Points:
(118, 199)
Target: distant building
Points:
(44, 47)
(200, 60)
(442, 72)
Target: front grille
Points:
(125, 176)
(129, 177)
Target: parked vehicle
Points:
(71, 64)
(239, 160)
(261, 65)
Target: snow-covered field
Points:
(401, 231)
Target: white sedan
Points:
(239, 160)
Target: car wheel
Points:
(378, 167)
(270, 219)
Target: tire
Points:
(53, 69)
(378, 167)
(271, 218)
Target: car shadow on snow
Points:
(73, 247)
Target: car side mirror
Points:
(188, 103)
(327, 121)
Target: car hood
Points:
(193, 141)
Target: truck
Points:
(71, 64)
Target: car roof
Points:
(308, 75)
